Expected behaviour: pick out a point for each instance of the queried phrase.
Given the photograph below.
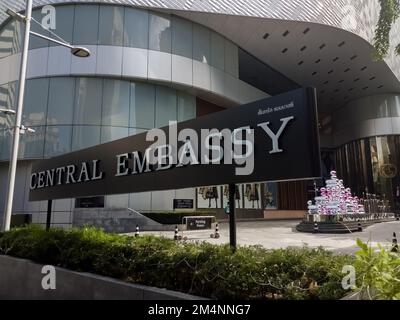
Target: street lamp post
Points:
(18, 116)
(77, 51)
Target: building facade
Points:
(157, 61)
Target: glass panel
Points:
(231, 58)
(182, 37)
(35, 102)
(136, 28)
(18, 36)
(166, 108)
(159, 32)
(11, 38)
(209, 197)
(32, 143)
(186, 106)
(238, 196)
(58, 140)
(64, 23)
(111, 25)
(217, 51)
(6, 38)
(395, 106)
(201, 43)
(142, 105)
(88, 96)
(85, 137)
(61, 101)
(113, 133)
(270, 195)
(4, 97)
(35, 42)
(252, 199)
(12, 95)
(86, 24)
(116, 103)
(5, 141)
(6, 123)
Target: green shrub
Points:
(198, 268)
(378, 273)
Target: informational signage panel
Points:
(272, 139)
(183, 204)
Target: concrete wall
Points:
(21, 279)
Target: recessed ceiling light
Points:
(285, 50)
(306, 31)
(335, 59)
(326, 82)
(300, 63)
(372, 78)
(314, 73)
(265, 36)
(353, 57)
(381, 86)
(322, 46)
(286, 33)
(318, 61)
(330, 71)
(363, 68)
(303, 48)
(347, 70)
(341, 81)
(356, 79)
(341, 44)
(365, 88)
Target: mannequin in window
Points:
(252, 194)
(209, 193)
(237, 194)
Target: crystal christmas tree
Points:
(335, 199)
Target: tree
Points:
(390, 12)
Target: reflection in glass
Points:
(35, 102)
(88, 95)
(61, 101)
(159, 32)
(58, 140)
(182, 37)
(86, 24)
(217, 51)
(113, 133)
(142, 106)
(231, 58)
(32, 144)
(35, 42)
(136, 28)
(115, 103)
(166, 106)
(64, 23)
(85, 137)
(111, 25)
(201, 43)
(186, 106)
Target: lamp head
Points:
(80, 52)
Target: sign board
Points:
(273, 139)
(183, 204)
(198, 223)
